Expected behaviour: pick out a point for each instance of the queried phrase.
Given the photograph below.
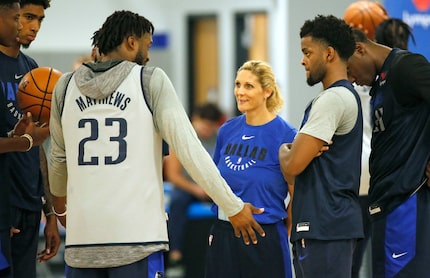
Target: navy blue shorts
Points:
(229, 257)
(150, 267)
(323, 258)
(24, 244)
(401, 240)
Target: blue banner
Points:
(416, 13)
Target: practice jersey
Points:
(325, 203)
(247, 158)
(24, 170)
(401, 131)
(4, 178)
(106, 140)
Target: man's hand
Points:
(324, 148)
(52, 240)
(244, 224)
(14, 231)
(26, 125)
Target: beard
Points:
(140, 60)
(315, 77)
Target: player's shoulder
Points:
(334, 95)
(406, 61)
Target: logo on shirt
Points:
(395, 256)
(244, 137)
(18, 76)
(239, 157)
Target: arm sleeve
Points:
(174, 125)
(334, 111)
(57, 160)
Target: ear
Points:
(360, 48)
(331, 53)
(131, 42)
(268, 92)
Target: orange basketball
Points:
(35, 92)
(366, 16)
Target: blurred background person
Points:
(206, 120)
(394, 33)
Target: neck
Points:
(256, 118)
(379, 54)
(11, 51)
(335, 73)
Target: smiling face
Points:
(250, 95)
(313, 60)
(31, 19)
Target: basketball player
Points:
(10, 25)
(393, 33)
(111, 116)
(399, 201)
(365, 15)
(326, 211)
(26, 177)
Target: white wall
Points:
(69, 25)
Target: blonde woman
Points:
(246, 154)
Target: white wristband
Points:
(30, 140)
(59, 214)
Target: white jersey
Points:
(106, 141)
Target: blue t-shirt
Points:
(247, 158)
(24, 167)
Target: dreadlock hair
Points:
(45, 3)
(394, 32)
(331, 31)
(119, 26)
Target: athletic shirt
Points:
(106, 140)
(325, 203)
(24, 171)
(401, 133)
(4, 178)
(247, 158)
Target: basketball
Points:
(35, 92)
(366, 16)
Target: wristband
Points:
(59, 214)
(30, 140)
